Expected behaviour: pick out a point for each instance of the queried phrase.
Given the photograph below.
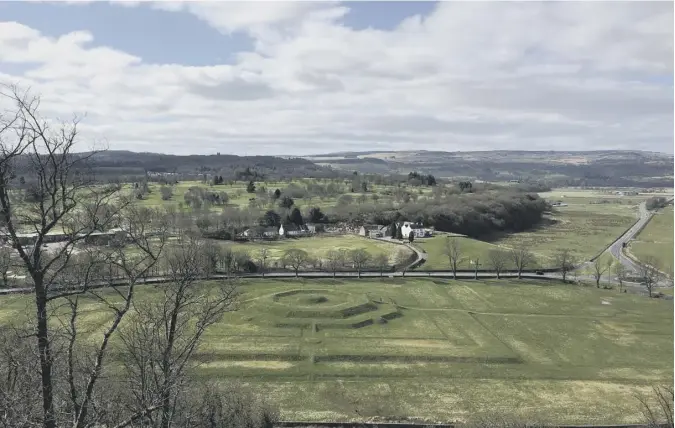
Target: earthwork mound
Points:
(319, 309)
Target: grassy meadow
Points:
(590, 222)
(319, 246)
(655, 241)
(438, 350)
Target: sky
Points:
(302, 78)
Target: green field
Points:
(239, 197)
(318, 246)
(440, 350)
(656, 240)
(470, 249)
(586, 226)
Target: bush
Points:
(166, 193)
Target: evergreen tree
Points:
(277, 194)
(286, 202)
(399, 233)
(392, 230)
(296, 216)
(251, 187)
(315, 215)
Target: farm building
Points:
(260, 232)
(373, 230)
(292, 229)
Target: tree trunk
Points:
(358, 273)
(520, 272)
(44, 349)
(497, 274)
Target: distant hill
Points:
(126, 166)
(616, 168)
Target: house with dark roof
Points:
(373, 230)
(292, 229)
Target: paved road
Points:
(616, 249)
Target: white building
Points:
(416, 229)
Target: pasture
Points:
(318, 246)
(586, 226)
(437, 350)
(655, 241)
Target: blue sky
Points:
(296, 78)
(160, 36)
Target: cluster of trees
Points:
(358, 259)
(476, 215)
(52, 372)
(417, 179)
(656, 202)
(198, 197)
(498, 260)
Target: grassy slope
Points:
(460, 346)
(656, 240)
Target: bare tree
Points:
(164, 334)
(521, 258)
(62, 193)
(335, 260)
(497, 260)
(599, 269)
(402, 260)
(620, 272)
(564, 261)
(166, 192)
(263, 255)
(381, 260)
(5, 264)
(610, 262)
(296, 258)
(453, 251)
(650, 275)
(476, 265)
(670, 275)
(212, 258)
(658, 411)
(360, 258)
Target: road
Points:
(616, 249)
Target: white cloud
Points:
(502, 75)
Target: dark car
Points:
(539, 272)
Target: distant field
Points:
(319, 246)
(583, 228)
(239, 197)
(435, 349)
(656, 240)
(586, 226)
